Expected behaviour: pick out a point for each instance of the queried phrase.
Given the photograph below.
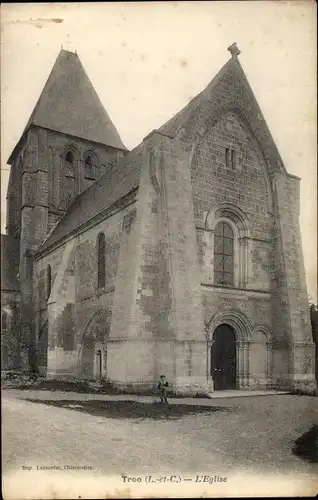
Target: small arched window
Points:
(69, 158)
(101, 260)
(88, 167)
(48, 281)
(4, 320)
(69, 164)
(223, 254)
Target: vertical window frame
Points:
(230, 157)
(101, 261)
(224, 251)
(89, 167)
(4, 321)
(70, 157)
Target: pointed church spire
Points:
(69, 104)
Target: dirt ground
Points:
(252, 435)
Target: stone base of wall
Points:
(61, 363)
(292, 383)
(305, 387)
(304, 383)
(192, 386)
(181, 387)
(258, 384)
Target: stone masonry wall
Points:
(38, 198)
(290, 300)
(75, 297)
(244, 184)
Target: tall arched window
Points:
(4, 320)
(88, 167)
(223, 254)
(101, 260)
(69, 164)
(48, 281)
(69, 179)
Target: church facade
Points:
(182, 256)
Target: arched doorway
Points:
(93, 352)
(223, 358)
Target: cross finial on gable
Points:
(235, 51)
(67, 43)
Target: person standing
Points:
(162, 386)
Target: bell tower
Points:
(67, 144)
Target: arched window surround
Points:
(233, 272)
(70, 167)
(101, 260)
(4, 321)
(92, 172)
(69, 180)
(239, 223)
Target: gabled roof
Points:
(172, 126)
(228, 91)
(10, 261)
(120, 180)
(70, 105)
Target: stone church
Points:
(181, 257)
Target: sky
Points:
(147, 60)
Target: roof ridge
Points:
(190, 105)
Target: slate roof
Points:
(120, 180)
(171, 126)
(69, 104)
(10, 261)
(229, 90)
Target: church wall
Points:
(165, 328)
(43, 197)
(274, 280)
(290, 299)
(157, 304)
(75, 298)
(255, 306)
(89, 299)
(153, 314)
(138, 314)
(54, 259)
(242, 183)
